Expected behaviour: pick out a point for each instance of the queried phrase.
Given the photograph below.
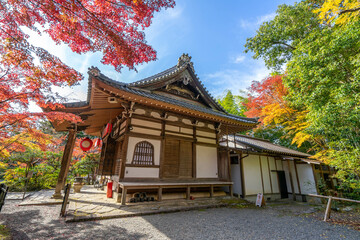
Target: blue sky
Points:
(212, 32)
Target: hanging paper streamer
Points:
(107, 130)
(98, 143)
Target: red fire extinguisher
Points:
(109, 189)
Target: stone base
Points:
(57, 196)
(77, 187)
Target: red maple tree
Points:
(269, 91)
(28, 73)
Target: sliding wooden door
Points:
(177, 159)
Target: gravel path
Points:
(42, 222)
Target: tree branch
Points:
(349, 10)
(285, 44)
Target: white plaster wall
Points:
(131, 147)
(274, 179)
(206, 162)
(266, 175)
(306, 179)
(252, 175)
(235, 178)
(141, 172)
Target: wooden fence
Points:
(328, 206)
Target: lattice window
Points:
(143, 154)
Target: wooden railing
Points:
(328, 206)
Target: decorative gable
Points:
(180, 81)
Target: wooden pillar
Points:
(297, 177)
(65, 163)
(315, 180)
(123, 157)
(291, 180)
(242, 176)
(261, 175)
(228, 165)
(123, 196)
(194, 153)
(231, 190)
(188, 193)
(162, 149)
(268, 162)
(159, 194)
(211, 191)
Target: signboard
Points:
(260, 201)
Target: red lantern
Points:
(86, 144)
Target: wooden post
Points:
(231, 191)
(123, 196)
(228, 165)
(194, 153)
(188, 193)
(271, 186)
(291, 180)
(261, 175)
(65, 200)
(242, 176)
(65, 163)
(211, 191)
(123, 157)
(162, 149)
(328, 209)
(316, 182)
(297, 177)
(160, 194)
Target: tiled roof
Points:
(157, 77)
(154, 96)
(183, 62)
(263, 145)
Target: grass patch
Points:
(4, 233)
(237, 203)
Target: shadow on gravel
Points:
(40, 224)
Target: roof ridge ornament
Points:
(185, 59)
(94, 71)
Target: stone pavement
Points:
(17, 195)
(42, 197)
(92, 204)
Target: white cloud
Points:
(239, 59)
(254, 24)
(265, 18)
(235, 79)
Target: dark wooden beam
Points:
(65, 163)
(291, 180)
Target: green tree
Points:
(87, 166)
(232, 103)
(322, 76)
